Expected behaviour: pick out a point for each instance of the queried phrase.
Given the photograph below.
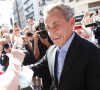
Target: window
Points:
(73, 11)
(77, 0)
(41, 13)
(43, 2)
(63, 0)
(70, 0)
(39, 3)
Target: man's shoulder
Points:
(89, 46)
(83, 43)
(52, 47)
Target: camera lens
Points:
(29, 34)
(43, 34)
(6, 46)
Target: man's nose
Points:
(51, 32)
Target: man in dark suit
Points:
(73, 62)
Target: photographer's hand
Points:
(36, 47)
(36, 37)
(45, 41)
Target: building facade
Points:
(82, 6)
(27, 8)
(19, 13)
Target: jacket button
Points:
(67, 69)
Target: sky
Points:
(5, 10)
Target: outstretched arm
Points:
(10, 80)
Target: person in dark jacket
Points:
(73, 62)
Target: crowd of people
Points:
(88, 32)
(58, 51)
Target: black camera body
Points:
(29, 34)
(4, 59)
(97, 29)
(43, 34)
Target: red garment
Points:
(1, 71)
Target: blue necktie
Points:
(57, 66)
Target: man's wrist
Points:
(15, 65)
(15, 68)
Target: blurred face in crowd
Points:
(17, 31)
(4, 31)
(6, 36)
(58, 28)
(31, 23)
(1, 42)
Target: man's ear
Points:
(72, 21)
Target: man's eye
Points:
(56, 26)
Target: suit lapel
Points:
(52, 62)
(71, 55)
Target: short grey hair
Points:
(66, 10)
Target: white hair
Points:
(66, 10)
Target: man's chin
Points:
(56, 44)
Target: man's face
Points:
(58, 28)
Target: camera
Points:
(43, 34)
(23, 38)
(97, 29)
(6, 46)
(41, 24)
(4, 59)
(29, 34)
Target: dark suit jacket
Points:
(81, 70)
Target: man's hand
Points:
(45, 41)
(16, 54)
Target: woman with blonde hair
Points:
(3, 31)
(16, 35)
